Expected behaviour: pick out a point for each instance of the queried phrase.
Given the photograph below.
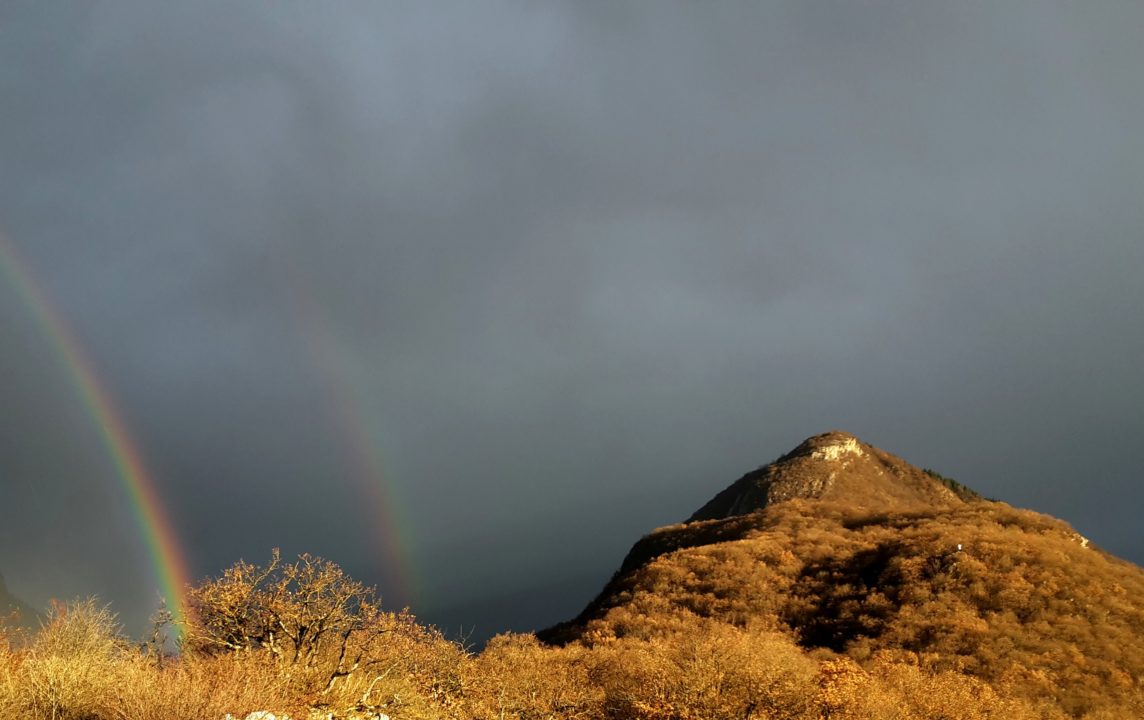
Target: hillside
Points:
(847, 550)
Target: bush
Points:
(324, 636)
(308, 616)
(196, 687)
(75, 666)
(517, 677)
(713, 672)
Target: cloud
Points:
(570, 270)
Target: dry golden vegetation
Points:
(78, 668)
(814, 613)
(1027, 607)
(837, 583)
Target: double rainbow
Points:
(167, 559)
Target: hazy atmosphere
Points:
(467, 297)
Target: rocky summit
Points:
(836, 466)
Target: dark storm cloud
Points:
(577, 267)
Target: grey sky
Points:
(571, 267)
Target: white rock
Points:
(834, 452)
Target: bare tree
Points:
(307, 615)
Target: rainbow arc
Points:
(353, 425)
(168, 562)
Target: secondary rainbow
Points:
(355, 429)
(167, 560)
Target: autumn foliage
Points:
(808, 611)
(1026, 609)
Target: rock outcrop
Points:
(837, 466)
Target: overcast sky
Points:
(559, 271)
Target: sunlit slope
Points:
(847, 549)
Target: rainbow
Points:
(366, 464)
(351, 422)
(167, 560)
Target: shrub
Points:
(75, 666)
(308, 616)
(714, 672)
(517, 677)
(324, 635)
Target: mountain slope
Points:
(849, 550)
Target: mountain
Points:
(851, 552)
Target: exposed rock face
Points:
(831, 466)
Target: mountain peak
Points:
(830, 446)
(835, 465)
